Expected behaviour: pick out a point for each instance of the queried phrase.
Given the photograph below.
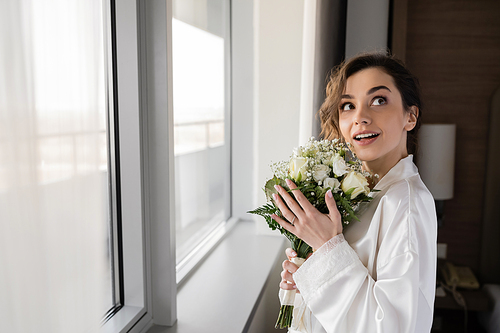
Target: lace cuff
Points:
(324, 265)
(331, 244)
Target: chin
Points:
(367, 157)
(365, 154)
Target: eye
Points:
(347, 106)
(379, 101)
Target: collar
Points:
(404, 169)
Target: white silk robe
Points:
(380, 275)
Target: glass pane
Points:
(198, 47)
(55, 262)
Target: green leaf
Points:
(347, 206)
(263, 210)
(266, 210)
(349, 191)
(269, 187)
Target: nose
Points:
(362, 116)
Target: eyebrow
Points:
(371, 91)
(374, 89)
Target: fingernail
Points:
(275, 196)
(329, 193)
(276, 187)
(294, 254)
(294, 287)
(288, 181)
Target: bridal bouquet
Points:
(315, 168)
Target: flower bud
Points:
(297, 168)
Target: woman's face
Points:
(373, 120)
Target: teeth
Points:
(362, 136)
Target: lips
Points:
(365, 137)
(358, 136)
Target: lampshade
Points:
(436, 158)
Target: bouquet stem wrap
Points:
(287, 317)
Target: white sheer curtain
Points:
(54, 260)
(323, 47)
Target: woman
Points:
(379, 276)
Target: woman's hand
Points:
(307, 222)
(287, 282)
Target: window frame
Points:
(135, 312)
(113, 157)
(143, 91)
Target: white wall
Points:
(278, 54)
(266, 72)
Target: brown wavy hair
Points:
(406, 83)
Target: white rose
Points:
(339, 166)
(297, 168)
(320, 172)
(332, 183)
(357, 181)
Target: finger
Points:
(285, 224)
(298, 195)
(290, 202)
(289, 266)
(289, 216)
(290, 253)
(287, 286)
(333, 211)
(287, 276)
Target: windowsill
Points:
(122, 321)
(223, 292)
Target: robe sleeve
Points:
(343, 296)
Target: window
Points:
(200, 44)
(58, 193)
(83, 132)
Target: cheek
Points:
(345, 129)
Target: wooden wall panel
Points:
(453, 46)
